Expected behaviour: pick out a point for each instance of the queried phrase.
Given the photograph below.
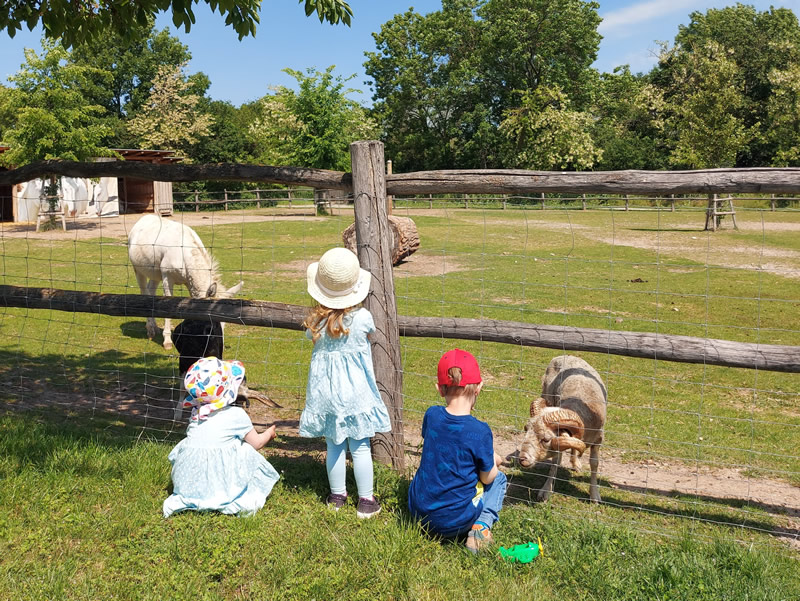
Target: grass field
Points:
(81, 500)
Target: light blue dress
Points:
(342, 398)
(213, 469)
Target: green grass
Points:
(80, 512)
(640, 271)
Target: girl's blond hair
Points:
(332, 320)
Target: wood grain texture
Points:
(374, 250)
(315, 178)
(645, 345)
(511, 181)
(760, 180)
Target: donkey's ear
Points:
(212, 290)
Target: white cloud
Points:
(642, 12)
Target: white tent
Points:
(79, 196)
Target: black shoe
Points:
(336, 502)
(367, 508)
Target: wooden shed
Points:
(134, 195)
(145, 196)
(6, 199)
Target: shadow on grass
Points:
(141, 389)
(706, 508)
(667, 229)
(30, 437)
(138, 330)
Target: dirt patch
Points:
(83, 228)
(418, 264)
(772, 226)
(421, 264)
(700, 248)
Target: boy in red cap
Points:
(458, 489)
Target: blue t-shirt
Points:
(446, 493)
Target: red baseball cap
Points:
(470, 372)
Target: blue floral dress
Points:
(213, 469)
(342, 398)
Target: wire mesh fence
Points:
(686, 446)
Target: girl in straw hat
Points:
(217, 467)
(342, 399)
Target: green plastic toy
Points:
(522, 553)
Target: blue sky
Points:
(242, 71)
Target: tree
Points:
(704, 107)
(227, 141)
(54, 120)
(133, 62)
(445, 82)
(8, 109)
(170, 118)
(547, 134)
(312, 127)
(755, 42)
(783, 110)
(629, 122)
(77, 22)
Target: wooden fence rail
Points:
(370, 185)
(645, 345)
(758, 180)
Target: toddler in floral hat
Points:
(217, 467)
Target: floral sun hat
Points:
(337, 281)
(212, 384)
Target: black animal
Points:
(195, 339)
(198, 338)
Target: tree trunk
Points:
(405, 237)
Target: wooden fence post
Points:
(583, 202)
(672, 200)
(542, 201)
(226, 198)
(374, 241)
(389, 199)
(771, 202)
(196, 202)
(258, 199)
(430, 201)
(627, 200)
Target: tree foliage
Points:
(704, 104)
(80, 21)
(754, 44)
(132, 61)
(548, 134)
(170, 118)
(53, 118)
(629, 122)
(445, 82)
(312, 127)
(783, 113)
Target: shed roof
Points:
(136, 154)
(148, 156)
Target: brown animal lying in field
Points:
(570, 415)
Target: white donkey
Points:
(167, 252)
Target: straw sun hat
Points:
(337, 281)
